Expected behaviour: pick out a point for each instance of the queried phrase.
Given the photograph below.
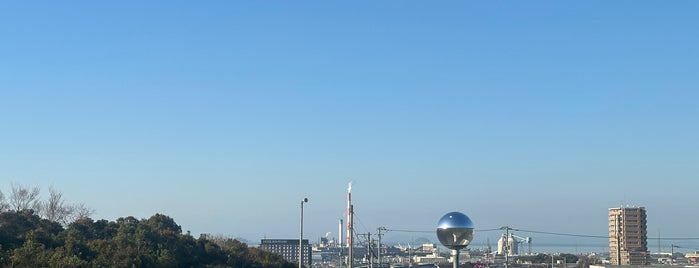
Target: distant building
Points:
(428, 248)
(324, 242)
(288, 249)
(628, 236)
(632, 266)
(692, 257)
(430, 258)
(510, 242)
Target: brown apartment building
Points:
(628, 236)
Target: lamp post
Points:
(455, 231)
(304, 200)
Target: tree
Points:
(76, 212)
(54, 208)
(31, 254)
(63, 258)
(166, 259)
(163, 224)
(262, 258)
(22, 198)
(76, 238)
(4, 260)
(568, 258)
(14, 227)
(4, 206)
(585, 262)
(28, 240)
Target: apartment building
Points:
(628, 236)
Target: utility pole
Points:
(489, 256)
(379, 251)
(305, 200)
(660, 248)
(506, 245)
(672, 253)
(369, 250)
(618, 240)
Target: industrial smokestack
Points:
(339, 234)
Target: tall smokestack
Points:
(339, 234)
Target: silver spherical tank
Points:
(455, 230)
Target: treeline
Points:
(546, 258)
(38, 238)
(54, 208)
(27, 240)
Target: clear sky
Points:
(539, 115)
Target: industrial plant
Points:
(627, 237)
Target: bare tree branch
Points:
(54, 208)
(76, 212)
(4, 206)
(22, 198)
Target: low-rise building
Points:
(288, 249)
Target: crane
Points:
(527, 240)
(517, 239)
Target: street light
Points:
(455, 231)
(304, 200)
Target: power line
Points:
(674, 238)
(357, 219)
(551, 233)
(514, 229)
(409, 231)
(676, 246)
(419, 231)
(561, 234)
(488, 230)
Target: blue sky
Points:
(224, 115)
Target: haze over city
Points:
(225, 115)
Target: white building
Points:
(513, 250)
